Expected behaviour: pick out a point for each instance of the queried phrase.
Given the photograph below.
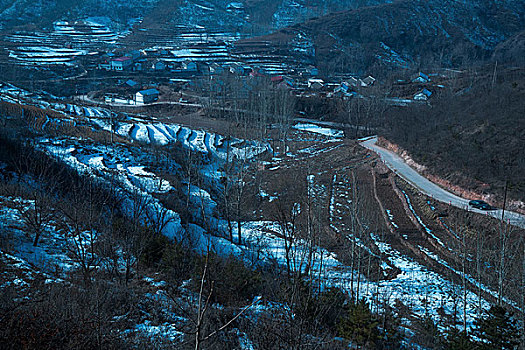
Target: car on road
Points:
(482, 205)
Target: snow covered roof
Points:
(369, 80)
(235, 5)
(423, 95)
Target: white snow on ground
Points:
(391, 218)
(423, 290)
(319, 130)
(468, 277)
(51, 254)
(140, 133)
(197, 140)
(418, 218)
(147, 181)
(166, 330)
(123, 170)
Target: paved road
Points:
(398, 165)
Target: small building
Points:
(131, 83)
(312, 71)
(368, 81)
(159, 66)
(235, 6)
(121, 63)
(421, 78)
(350, 82)
(215, 69)
(423, 95)
(315, 84)
(106, 65)
(135, 54)
(147, 96)
(189, 66)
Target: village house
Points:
(215, 68)
(137, 67)
(315, 84)
(350, 82)
(121, 63)
(106, 61)
(146, 96)
(131, 83)
(105, 65)
(368, 81)
(423, 95)
(159, 66)
(421, 78)
(189, 66)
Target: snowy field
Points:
(333, 133)
(29, 55)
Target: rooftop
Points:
(148, 92)
(121, 59)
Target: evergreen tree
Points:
(390, 324)
(459, 340)
(427, 333)
(359, 325)
(497, 330)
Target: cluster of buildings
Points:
(182, 69)
(138, 61)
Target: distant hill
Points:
(252, 16)
(409, 33)
(511, 50)
(42, 13)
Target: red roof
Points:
(277, 78)
(121, 59)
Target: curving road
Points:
(398, 165)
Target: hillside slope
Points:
(472, 137)
(253, 16)
(43, 13)
(511, 50)
(410, 33)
